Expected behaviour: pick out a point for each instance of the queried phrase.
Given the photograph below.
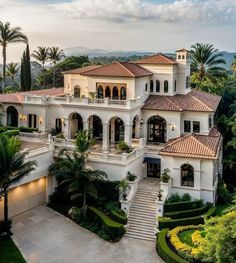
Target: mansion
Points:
(148, 104)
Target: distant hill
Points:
(121, 54)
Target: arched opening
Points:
(175, 87)
(135, 127)
(157, 85)
(187, 175)
(115, 93)
(183, 56)
(146, 87)
(76, 124)
(156, 129)
(187, 82)
(116, 130)
(12, 116)
(77, 91)
(166, 86)
(58, 125)
(123, 93)
(95, 125)
(179, 56)
(151, 85)
(108, 92)
(100, 92)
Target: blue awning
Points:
(151, 160)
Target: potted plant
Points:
(131, 177)
(165, 175)
(160, 195)
(123, 147)
(124, 187)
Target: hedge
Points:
(118, 217)
(115, 230)
(164, 251)
(28, 129)
(195, 220)
(5, 227)
(182, 206)
(188, 213)
(107, 189)
(11, 133)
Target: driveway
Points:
(44, 236)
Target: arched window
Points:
(115, 93)
(179, 56)
(76, 91)
(108, 92)
(100, 92)
(175, 87)
(146, 87)
(58, 125)
(183, 57)
(187, 82)
(166, 86)
(123, 93)
(12, 116)
(157, 85)
(156, 130)
(187, 175)
(151, 85)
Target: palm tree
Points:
(13, 167)
(41, 55)
(72, 172)
(206, 61)
(9, 35)
(233, 66)
(12, 69)
(55, 54)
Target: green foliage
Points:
(165, 175)
(224, 197)
(188, 213)
(123, 147)
(115, 230)
(5, 227)
(131, 177)
(25, 77)
(178, 198)
(219, 243)
(28, 129)
(195, 220)
(181, 206)
(168, 255)
(11, 133)
(107, 189)
(119, 216)
(123, 186)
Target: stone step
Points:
(141, 237)
(142, 212)
(143, 206)
(145, 194)
(134, 220)
(142, 228)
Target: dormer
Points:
(183, 56)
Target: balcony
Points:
(85, 101)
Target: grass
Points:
(186, 237)
(9, 252)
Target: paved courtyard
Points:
(45, 236)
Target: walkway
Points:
(45, 236)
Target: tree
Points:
(9, 35)
(41, 55)
(55, 55)
(72, 172)
(219, 245)
(233, 66)
(206, 61)
(12, 69)
(26, 70)
(13, 166)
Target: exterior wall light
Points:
(40, 120)
(141, 121)
(63, 121)
(172, 126)
(22, 117)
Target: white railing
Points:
(33, 135)
(106, 102)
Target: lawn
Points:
(186, 237)
(9, 252)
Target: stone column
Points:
(128, 134)
(137, 129)
(85, 125)
(105, 137)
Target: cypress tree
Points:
(27, 69)
(22, 82)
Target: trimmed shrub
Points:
(164, 251)
(28, 129)
(119, 216)
(188, 213)
(115, 230)
(11, 133)
(224, 196)
(9, 128)
(2, 129)
(107, 189)
(181, 206)
(196, 220)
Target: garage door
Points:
(25, 197)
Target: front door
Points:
(153, 170)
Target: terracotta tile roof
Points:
(119, 69)
(193, 101)
(182, 50)
(194, 146)
(19, 96)
(157, 59)
(81, 70)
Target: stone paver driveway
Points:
(45, 236)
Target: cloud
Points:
(209, 11)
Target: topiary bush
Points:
(11, 133)
(181, 206)
(28, 129)
(174, 198)
(164, 250)
(107, 189)
(224, 196)
(119, 216)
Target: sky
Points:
(147, 25)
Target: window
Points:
(100, 92)
(175, 86)
(179, 56)
(115, 93)
(210, 122)
(196, 126)
(157, 86)
(187, 82)
(32, 121)
(146, 87)
(58, 125)
(108, 92)
(76, 91)
(187, 175)
(166, 86)
(123, 93)
(151, 85)
(183, 57)
(187, 126)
